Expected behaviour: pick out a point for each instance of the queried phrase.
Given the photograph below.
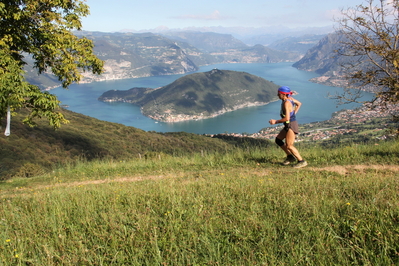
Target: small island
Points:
(198, 96)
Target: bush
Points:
(30, 170)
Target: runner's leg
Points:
(282, 136)
(289, 143)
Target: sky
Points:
(118, 15)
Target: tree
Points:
(371, 38)
(41, 30)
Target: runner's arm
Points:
(298, 105)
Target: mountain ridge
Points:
(325, 61)
(135, 55)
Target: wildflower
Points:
(8, 240)
(348, 203)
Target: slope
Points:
(31, 151)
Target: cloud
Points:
(214, 16)
(292, 19)
(333, 14)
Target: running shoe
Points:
(300, 164)
(290, 159)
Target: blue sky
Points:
(116, 15)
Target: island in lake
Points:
(198, 96)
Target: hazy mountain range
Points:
(133, 55)
(248, 35)
(195, 97)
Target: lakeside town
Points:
(169, 117)
(342, 123)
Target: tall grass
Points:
(384, 153)
(239, 208)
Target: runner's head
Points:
(285, 90)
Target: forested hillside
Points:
(199, 95)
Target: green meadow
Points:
(238, 207)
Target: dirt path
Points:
(343, 170)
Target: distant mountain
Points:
(299, 44)
(140, 55)
(258, 54)
(324, 60)
(227, 49)
(199, 95)
(248, 35)
(269, 36)
(133, 55)
(208, 41)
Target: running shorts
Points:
(292, 125)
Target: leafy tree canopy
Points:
(371, 39)
(41, 30)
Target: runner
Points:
(289, 109)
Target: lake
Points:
(316, 106)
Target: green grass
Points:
(32, 151)
(235, 208)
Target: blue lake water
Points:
(316, 106)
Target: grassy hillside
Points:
(233, 208)
(101, 193)
(31, 151)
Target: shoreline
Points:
(176, 118)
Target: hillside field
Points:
(237, 207)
